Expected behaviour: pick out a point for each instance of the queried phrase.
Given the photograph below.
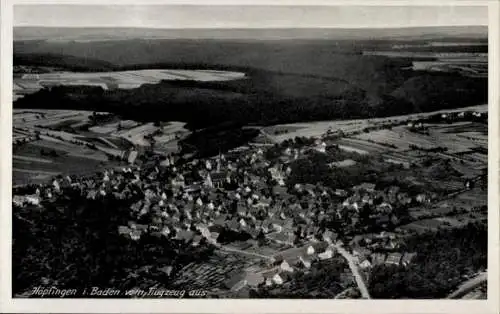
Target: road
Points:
(469, 285)
(355, 271)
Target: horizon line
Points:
(253, 28)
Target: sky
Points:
(224, 16)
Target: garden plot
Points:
(354, 144)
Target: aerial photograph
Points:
(250, 152)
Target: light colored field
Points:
(124, 79)
(319, 128)
(363, 145)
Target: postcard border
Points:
(7, 304)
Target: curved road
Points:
(355, 271)
(469, 285)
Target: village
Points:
(266, 223)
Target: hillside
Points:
(287, 80)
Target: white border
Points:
(7, 304)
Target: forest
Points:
(336, 82)
(74, 243)
(442, 259)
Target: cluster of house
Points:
(242, 193)
(195, 202)
(280, 268)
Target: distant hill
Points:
(98, 34)
(312, 77)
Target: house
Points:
(33, 199)
(365, 264)
(284, 266)
(422, 198)
(135, 235)
(243, 223)
(407, 258)
(310, 250)
(277, 279)
(18, 200)
(328, 254)
(393, 259)
(378, 258)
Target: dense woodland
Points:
(442, 259)
(75, 243)
(336, 82)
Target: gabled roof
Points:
(393, 258)
(408, 257)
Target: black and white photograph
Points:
(169, 151)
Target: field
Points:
(119, 79)
(319, 128)
(399, 137)
(34, 162)
(457, 221)
(47, 143)
(337, 82)
(112, 127)
(28, 119)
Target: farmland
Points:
(207, 83)
(48, 143)
(113, 80)
(40, 160)
(348, 127)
